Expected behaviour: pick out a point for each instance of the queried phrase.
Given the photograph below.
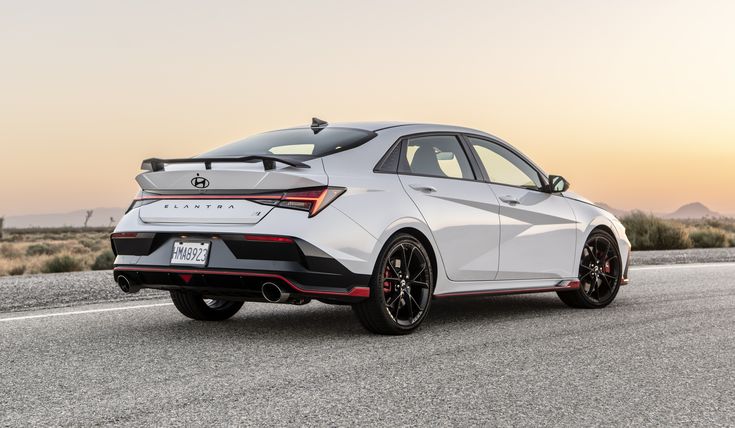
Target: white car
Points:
(385, 217)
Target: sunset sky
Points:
(632, 101)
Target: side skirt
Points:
(561, 286)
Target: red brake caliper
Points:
(386, 284)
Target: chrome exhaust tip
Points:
(126, 285)
(272, 293)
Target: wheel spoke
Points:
(420, 283)
(423, 268)
(410, 308)
(591, 252)
(609, 276)
(392, 268)
(416, 303)
(410, 258)
(392, 279)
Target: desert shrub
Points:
(17, 270)
(62, 263)
(91, 244)
(104, 261)
(647, 232)
(709, 237)
(9, 251)
(41, 249)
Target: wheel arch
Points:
(421, 232)
(424, 241)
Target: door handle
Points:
(508, 199)
(423, 188)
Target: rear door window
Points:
(437, 156)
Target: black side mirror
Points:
(558, 184)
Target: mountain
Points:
(693, 210)
(100, 218)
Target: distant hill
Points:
(100, 218)
(693, 210)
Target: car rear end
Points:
(244, 219)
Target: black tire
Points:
(409, 292)
(196, 307)
(600, 273)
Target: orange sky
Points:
(632, 101)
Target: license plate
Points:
(190, 253)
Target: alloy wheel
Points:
(405, 280)
(599, 269)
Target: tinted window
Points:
(296, 142)
(504, 166)
(437, 156)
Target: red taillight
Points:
(311, 200)
(125, 235)
(269, 238)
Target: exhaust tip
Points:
(272, 293)
(126, 285)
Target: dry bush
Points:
(17, 270)
(709, 237)
(647, 232)
(63, 263)
(10, 251)
(41, 249)
(104, 261)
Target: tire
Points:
(600, 273)
(399, 298)
(195, 307)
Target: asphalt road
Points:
(662, 354)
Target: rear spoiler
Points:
(269, 162)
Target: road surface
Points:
(662, 354)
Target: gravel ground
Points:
(661, 355)
(695, 255)
(54, 290)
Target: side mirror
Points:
(558, 184)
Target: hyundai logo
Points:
(200, 182)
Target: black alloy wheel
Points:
(401, 288)
(600, 271)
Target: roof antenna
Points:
(317, 125)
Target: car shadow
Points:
(319, 321)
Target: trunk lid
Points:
(192, 193)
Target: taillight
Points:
(312, 200)
(137, 203)
(123, 235)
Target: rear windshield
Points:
(296, 142)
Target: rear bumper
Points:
(237, 268)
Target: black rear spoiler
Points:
(269, 162)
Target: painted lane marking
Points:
(89, 311)
(683, 266)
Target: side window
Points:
(504, 166)
(437, 156)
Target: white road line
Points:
(683, 266)
(90, 311)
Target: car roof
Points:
(379, 126)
